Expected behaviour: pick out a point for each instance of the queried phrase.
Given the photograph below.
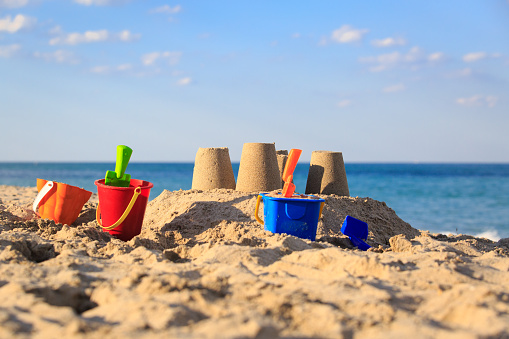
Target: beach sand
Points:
(204, 268)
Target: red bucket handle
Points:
(124, 215)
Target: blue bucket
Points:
(294, 216)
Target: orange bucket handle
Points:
(124, 215)
(257, 208)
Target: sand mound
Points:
(204, 268)
(227, 216)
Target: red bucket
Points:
(121, 209)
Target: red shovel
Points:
(293, 158)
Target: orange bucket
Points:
(59, 202)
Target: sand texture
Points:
(202, 267)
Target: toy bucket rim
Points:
(63, 183)
(145, 185)
(292, 199)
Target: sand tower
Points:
(282, 156)
(258, 170)
(327, 174)
(213, 169)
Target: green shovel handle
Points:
(123, 156)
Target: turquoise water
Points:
(448, 198)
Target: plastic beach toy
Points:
(121, 210)
(59, 202)
(119, 178)
(295, 216)
(357, 230)
(289, 186)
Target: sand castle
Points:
(261, 169)
(213, 169)
(282, 156)
(258, 170)
(327, 174)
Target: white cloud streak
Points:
(167, 9)
(414, 58)
(478, 101)
(344, 103)
(93, 36)
(477, 56)
(111, 69)
(19, 22)
(151, 58)
(99, 2)
(9, 50)
(394, 88)
(59, 56)
(388, 42)
(471, 57)
(437, 56)
(347, 34)
(184, 81)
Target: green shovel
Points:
(118, 178)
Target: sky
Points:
(379, 81)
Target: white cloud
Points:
(151, 58)
(296, 35)
(100, 69)
(19, 22)
(99, 2)
(167, 9)
(93, 36)
(476, 56)
(109, 69)
(184, 81)
(394, 88)
(9, 50)
(347, 33)
(124, 67)
(414, 58)
(344, 103)
(471, 57)
(59, 56)
(388, 42)
(127, 36)
(478, 100)
(13, 3)
(435, 57)
(383, 61)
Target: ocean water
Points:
(447, 198)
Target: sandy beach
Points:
(203, 267)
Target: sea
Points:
(468, 199)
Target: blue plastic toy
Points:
(357, 230)
(297, 217)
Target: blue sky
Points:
(380, 81)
